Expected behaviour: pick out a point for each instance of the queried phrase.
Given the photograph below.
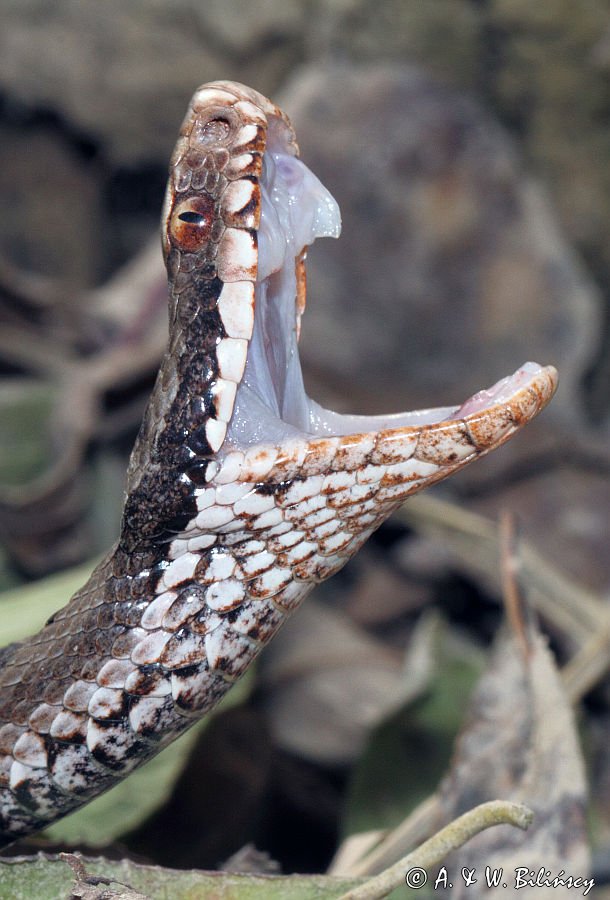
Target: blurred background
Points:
(468, 145)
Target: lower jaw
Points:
(312, 421)
(362, 476)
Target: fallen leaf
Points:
(520, 744)
(327, 683)
(24, 878)
(408, 753)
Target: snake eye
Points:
(191, 223)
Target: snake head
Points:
(241, 210)
(231, 444)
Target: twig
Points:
(588, 666)
(577, 611)
(29, 289)
(436, 848)
(514, 602)
(581, 614)
(33, 353)
(394, 844)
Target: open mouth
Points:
(271, 403)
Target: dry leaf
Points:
(327, 683)
(520, 744)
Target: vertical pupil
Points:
(192, 218)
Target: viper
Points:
(242, 493)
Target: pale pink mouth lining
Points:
(500, 392)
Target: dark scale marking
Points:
(257, 630)
(172, 649)
(188, 671)
(253, 204)
(142, 559)
(206, 330)
(200, 369)
(172, 438)
(206, 290)
(271, 488)
(199, 410)
(250, 207)
(208, 271)
(162, 497)
(198, 442)
(148, 678)
(200, 623)
(172, 527)
(174, 616)
(35, 785)
(178, 456)
(197, 473)
(160, 720)
(84, 766)
(197, 698)
(114, 752)
(202, 295)
(198, 431)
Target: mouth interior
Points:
(271, 403)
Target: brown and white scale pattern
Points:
(219, 544)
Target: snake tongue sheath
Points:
(242, 493)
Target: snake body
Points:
(230, 518)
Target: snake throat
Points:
(241, 492)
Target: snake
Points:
(241, 493)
